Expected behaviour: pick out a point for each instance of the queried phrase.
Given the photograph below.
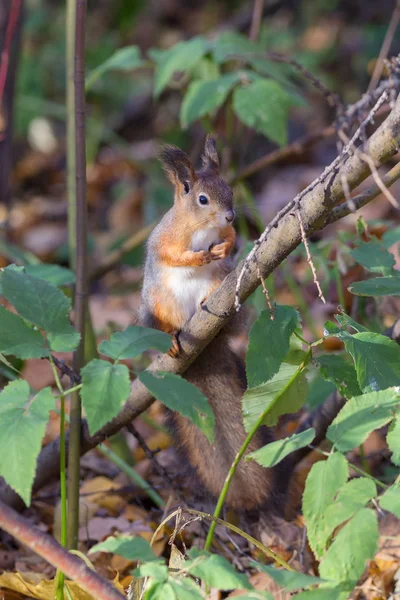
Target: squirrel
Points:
(188, 256)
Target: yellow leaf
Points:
(32, 585)
(98, 489)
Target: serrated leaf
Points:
(352, 496)
(203, 97)
(180, 58)
(54, 274)
(335, 368)
(182, 396)
(323, 482)
(263, 105)
(345, 321)
(262, 362)
(18, 339)
(390, 500)
(360, 416)
(104, 391)
(130, 547)
(379, 286)
(133, 341)
(272, 454)
(216, 571)
(355, 543)
(374, 256)
(393, 441)
(42, 304)
(289, 580)
(284, 393)
(376, 359)
(23, 425)
(123, 59)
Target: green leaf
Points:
(42, 304)
(185, 589)
(130, 547)
(256, 596)
(156, 590)
(374, 257)
(262, 362)
(23, 425)
(231, 44)
(341, 592)
(360, 416)
(105, 389)
(352, 496)
(272, 454)
(263, 105)
(379, 286)
(133, 341)
(54, 274)
(355, 543)
(154, 569)
(180, 58)
(390, 500)
(180, 395)
(376, 359)
(216, 571)
(289, 580)
(203, 97)
(393, 441)
(335, 368)
(124, 59)
(323, 482)
(18, 339)
(346, 321)
(284, 393)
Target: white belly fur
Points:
(190, 285)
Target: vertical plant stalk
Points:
(245, 445)
(63, 477)
(81, 272)
(10, 38)
(70, 102)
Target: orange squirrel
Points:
(188, 256)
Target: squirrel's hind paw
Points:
(175, 351)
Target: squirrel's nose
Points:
(230, 215)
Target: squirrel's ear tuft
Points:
(177, 166)
(210, 157)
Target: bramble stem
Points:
(245, 445)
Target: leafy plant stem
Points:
(71, 126)
(71, 390)
(244, 447)
(339, 286)
(63, 476)
(81, 271)
(363, 458)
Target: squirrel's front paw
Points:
(220, 251)
(203, 257)
(175, 351)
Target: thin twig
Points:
(384, 51)
(266, 293)
(46, 546)
(13, 17)
(81, 289)
(332, 168)
(256, 19)
(364, 197)
(309, 257)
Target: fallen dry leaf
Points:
(34, 586)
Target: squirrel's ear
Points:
(210, 157)
(178, 167)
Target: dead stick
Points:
(49, 549)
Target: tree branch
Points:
(316, 206)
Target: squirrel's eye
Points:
(203, 200)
